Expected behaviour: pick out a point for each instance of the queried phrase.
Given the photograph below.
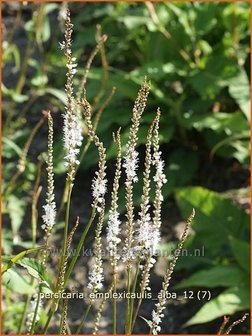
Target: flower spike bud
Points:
(50, 206)
(157, 313)
(131, 162)
(113, 229)
(72, 128)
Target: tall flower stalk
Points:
(148, 233)
(113, 228)
(131, 164)
(49, 216)
(99, 188)
(157, 313)
(72, 128)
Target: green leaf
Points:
(34, 267)
(218, 122)
(45, 288)
(39, 80)
(17, 98)
(6, 240)
(46, 30)
(227, 303)
(9, 145)
(239, 89)
(206, 17)
(16, 209)
(17, 283)
(241, 250)
(132, 22)
(221, 275)
(216, 217)
(177, 173)
(209, 80)
(18, 257)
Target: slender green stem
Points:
(127, 326)
(65, 193)
(70, 268)
(114, 303)
(63, 201)
(132, 299)
(69, 192)
(22, 76)
(64, 246)
(35, 197)
(140, 299)
(136, 313)
(48, 321)
(83, 319)
(61, 320)
(35, 315)
(22, 320)
(79, 246)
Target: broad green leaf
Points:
(13, 260)
(241, 250)
(218, 122)
(236, 146)
(6, 241)
(17, 98)
(45, 288)
(34, 267)
(221, 275)
(9, 145)
(16, 209)
(177, 173)
(227, 303)
(17, 283)
(45, 30)
(132, 22)
(209, 80)
(216, 217)
(239, 89)
(206, 17)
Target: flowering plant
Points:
(142, 230)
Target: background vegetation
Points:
(197, 57)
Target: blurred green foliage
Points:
(223, 229)
(197, 57)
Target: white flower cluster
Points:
(156, 320)
(99, 188)
(72, 66)
(131, 164)
(72, 131)
(72, 127)
(144, 233)
(148, 235)
(159, 177)
(49, 216)
(96, 277)
(113, 230)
